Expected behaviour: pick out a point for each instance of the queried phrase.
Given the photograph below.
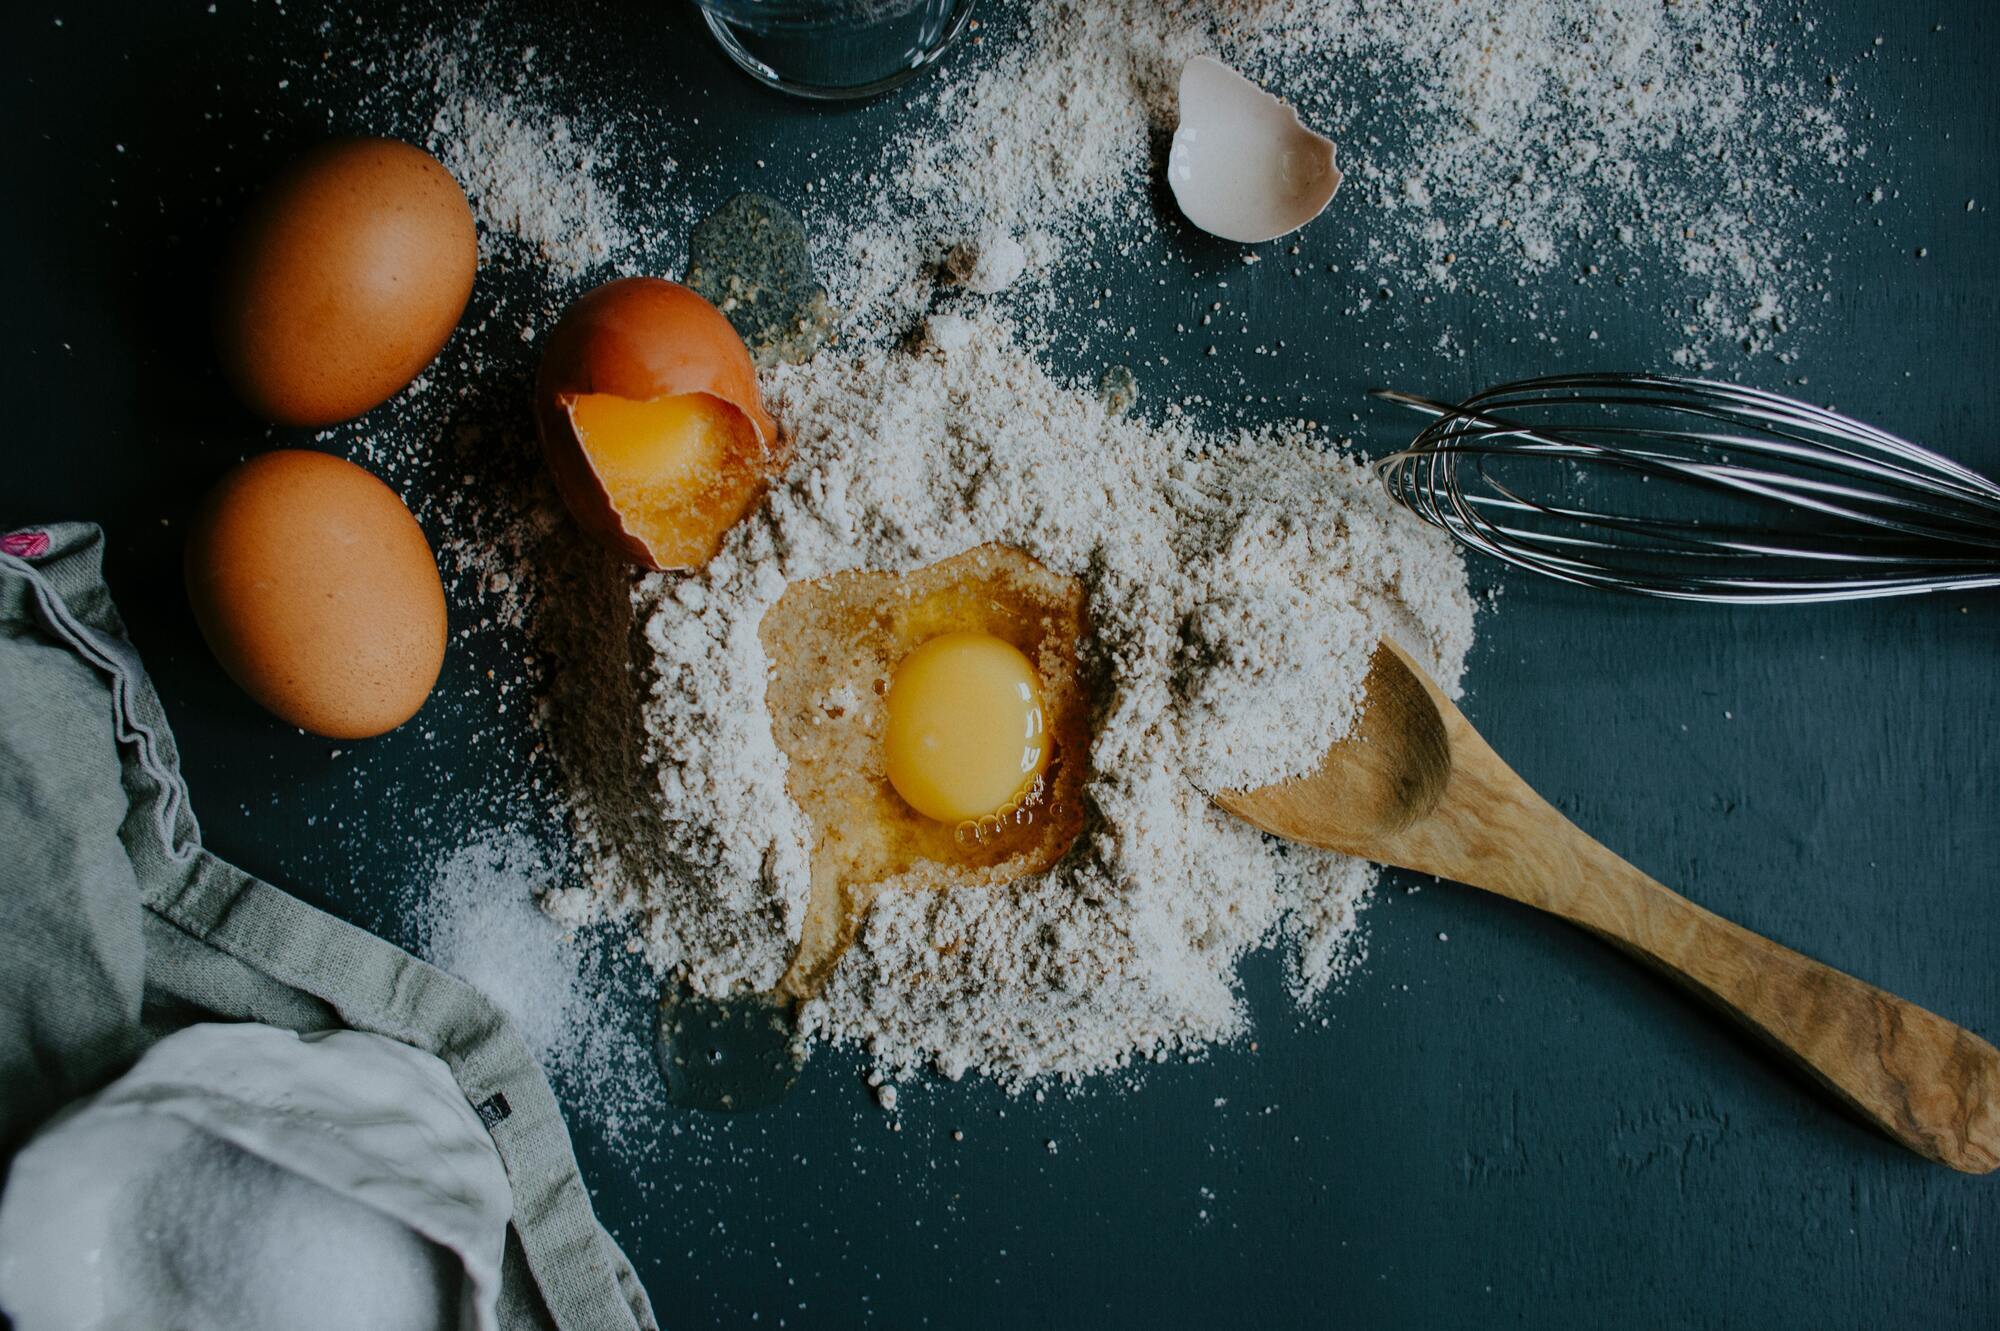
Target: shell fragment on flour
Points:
(1243, 166)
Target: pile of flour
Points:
(1236, 588)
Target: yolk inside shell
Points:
(965, 735)
(679, 470)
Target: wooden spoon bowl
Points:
(1414, 785)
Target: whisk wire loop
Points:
(1695, 490)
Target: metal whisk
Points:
(1695, 491)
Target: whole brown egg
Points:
(318, 594)
(346, 279)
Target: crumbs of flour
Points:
(1237, 586)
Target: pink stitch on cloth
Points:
(25, 544)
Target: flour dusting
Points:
(477, 917)
(535, 180)
(1485, 143)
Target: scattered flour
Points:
(1236, 584)
(478, 918)
(988, 265)
(1489, 142)
(532, 181)
(540, 181)
(1236, 589)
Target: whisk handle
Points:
(1929, 1084)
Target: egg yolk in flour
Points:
(934, 722)
(936, 729)
(965, 737)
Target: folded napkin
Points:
(246, 1177)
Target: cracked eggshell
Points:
(639, 338)
(1242, 166)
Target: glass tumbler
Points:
(828, 50)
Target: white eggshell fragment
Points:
(1242, 165)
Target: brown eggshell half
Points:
(638, 338)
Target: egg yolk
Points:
(677, 469)
(964, 735)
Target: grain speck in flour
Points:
(1236, 588)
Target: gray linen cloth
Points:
(117, 928)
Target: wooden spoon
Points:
(1414, 785)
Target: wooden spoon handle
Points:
(1931, 1085)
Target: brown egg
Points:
(346, 280)
(317, 591)
(648, 410)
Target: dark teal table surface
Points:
(1498, 1121)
